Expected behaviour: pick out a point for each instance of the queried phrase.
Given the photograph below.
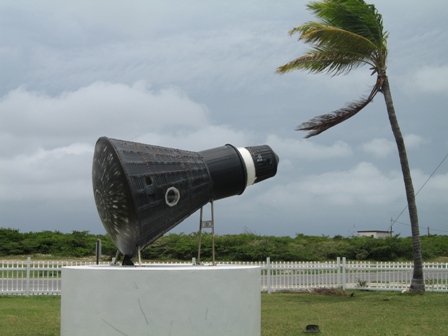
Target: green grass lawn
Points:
(364, 313)
(282, 314)
(30, 316)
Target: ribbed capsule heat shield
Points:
(142, 191)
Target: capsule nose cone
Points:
(277, 159)
(265, 162)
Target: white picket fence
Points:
(44, 277)
(388, 276)
(33, 277)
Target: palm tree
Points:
(347, 35)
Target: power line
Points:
(395, 221)
(423, 227)
(431, 175)
(438, 230)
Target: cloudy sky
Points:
(199, 74)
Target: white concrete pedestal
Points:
(161, 300)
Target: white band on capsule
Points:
(250, 166)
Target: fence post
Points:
(268, 273)
(28, 264)
(338, 278)
(343, 272)
(98, 251)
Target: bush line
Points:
(241, 247)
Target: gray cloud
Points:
(195, 75)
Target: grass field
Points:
(30, 316)
(364, 313)
(283, 314)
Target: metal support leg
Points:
(207, 224)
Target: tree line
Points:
(236, 247)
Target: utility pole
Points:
(391, 224)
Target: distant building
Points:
(375, 233)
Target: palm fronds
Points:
(334, 62)
(348, 34)
(323, 122)
(352, 15)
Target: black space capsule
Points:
(142, 191)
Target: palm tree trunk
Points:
(418, 283)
